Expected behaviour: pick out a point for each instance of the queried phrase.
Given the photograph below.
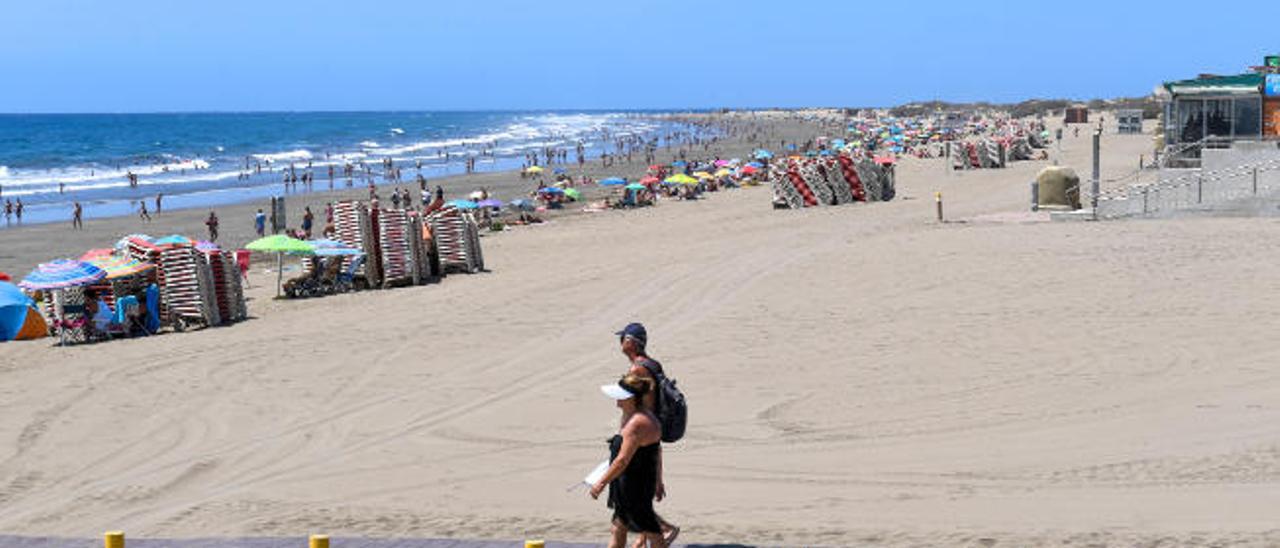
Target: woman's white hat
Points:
(616, 391)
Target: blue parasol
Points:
(61, 274)
(613, 181)
(462, 204)
(13, 310)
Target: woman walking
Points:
(633, 474)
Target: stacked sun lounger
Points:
(457, 239)
(420, 251)
(227, 292)
(66, 307)
(831, 180)
(394, 233)
(355, 227)
(187, 287)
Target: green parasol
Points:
(281, 244)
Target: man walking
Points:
(633, 339)
(212, 223)
(76, 217)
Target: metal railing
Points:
(1193, 189)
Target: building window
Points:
(1248, 114)
(1217, 117)
(1190, 120)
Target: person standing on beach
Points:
(212, 223)
(77, 214)
(307, 220)
(634, 466)
(159, 196)
(142, 211)
(17, 210)
(260, 223)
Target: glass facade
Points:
(1228, 117)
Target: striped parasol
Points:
(61, 274)
(118, 267)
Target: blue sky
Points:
(151, 55)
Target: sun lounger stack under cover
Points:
(355, 227)
(457, 238)
(394, 240)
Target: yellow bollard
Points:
(535, 544)
(937, 196)
(319, 541)
(113, 539)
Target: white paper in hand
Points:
(597, 473)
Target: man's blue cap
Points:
(635, 331)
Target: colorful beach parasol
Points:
(533, 169)
(763, 154)
(680, 179)
(491, 202)
(612, 181)
(461, 204)
(650, 180)
(573, 193)
(4, 277)
(748, 170)
(722, 172)
(13, 310)
(702, 175)
(325, 247)
(61, 274)
(116, 266)
(174, 239)
(636, 186)
(551, 190)
(280, 243)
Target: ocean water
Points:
(197, 159)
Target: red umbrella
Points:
(650, 180)
(749, 170)
(5, 277)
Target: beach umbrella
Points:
(95, 253)
(4, 277)
(118, 267)
(655, 167)
(679, 163)
(551, 190)
(763, 154)
(722, 172)
(174, 239)
(491, 202)
(612, 181)
(61, 274)
(14, 305)
(680, 179)
(521, 204)
(636, 186)
(325, 247)
(280, 244)
(573, 193)
(702, 175)
(748, 170)
(461, 204)
(756, 165)
(558, 170)
(650, 180)
(533, 169)
(721, 163)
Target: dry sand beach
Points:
(858, 375)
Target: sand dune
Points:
(856, 375)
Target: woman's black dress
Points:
(631, 494)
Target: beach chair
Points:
(346, 280)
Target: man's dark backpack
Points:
(673, 412)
